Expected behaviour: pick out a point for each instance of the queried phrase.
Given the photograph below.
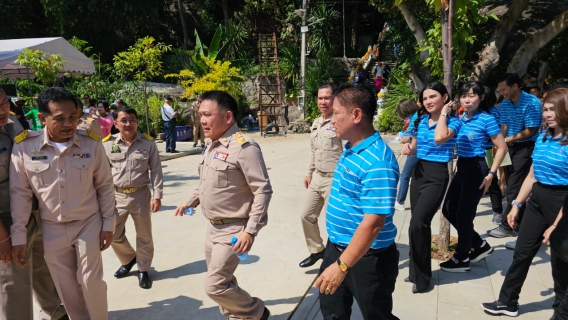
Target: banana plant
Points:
(211, 52)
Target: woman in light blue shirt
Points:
(434, 148)
(547, 185)
(473, 176)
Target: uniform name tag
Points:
(143, 151)
(39, 158)
(220, 155)
(3, 149)
(81, 155)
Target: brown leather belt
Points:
(325, 174)
(128, 190)
(226, 221)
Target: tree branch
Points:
(539, 39)
(489, 57)
(415, 27)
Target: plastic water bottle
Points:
(189, 211)
(242, 256)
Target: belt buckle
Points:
(215, 222)
(129, 190)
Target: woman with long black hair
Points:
(547, 185)
(473, 176)
(434, 149)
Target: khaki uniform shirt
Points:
(195, 116)
(234, 182)
(7, 135)
(130, 164)
(70, 186)
(326, 146)
(88, 123)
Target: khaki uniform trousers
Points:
(73, 255)
(137, 205)
(316, 197)
(17, 283)
(220, 283)
(198, 131)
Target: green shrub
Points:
(399, 90)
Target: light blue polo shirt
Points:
(550, 161)
(411, 122)
(474, 133)
(364, 182)
(497, 115)
(427, 149)
(527, 113)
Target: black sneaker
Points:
(497, 308)
(478, 254)
(454, 265)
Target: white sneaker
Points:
(399, 206)
(511, 244)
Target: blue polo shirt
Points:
(527, 113)
(411, 122)
(474, 133)
(427, 149)
(364, 182)
(550, 161)
(497, 115)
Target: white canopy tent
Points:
(76, 62)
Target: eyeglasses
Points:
(131, 121)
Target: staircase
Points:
(270, 108)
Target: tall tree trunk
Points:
(489, 57)
(354, 25)
(415, 27)
(539, 39)
(145, 87)
(225, 5)
(447, 19)
(181, 9)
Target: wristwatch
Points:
(342, 266)
(517, 204)
(493, 173)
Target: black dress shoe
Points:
(416, 290)
(144, 280)
(313, 258)
(265, 314)
(125, 269)
(407, 279)
(174, 151)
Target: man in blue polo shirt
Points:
(521, 113)
(361, 258)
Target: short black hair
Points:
(510, 79)
(224, 100)
(490, 97)
(125, 109)
(326, 85)
(355, 95)
(54, 94)
(169, 98)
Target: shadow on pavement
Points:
(195, 267)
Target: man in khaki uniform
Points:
(16, 283)
(326, 150)
(88, 123)
(197, 127)
(234, 192)
(131, 155)
(67, 170)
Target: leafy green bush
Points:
(399, 90)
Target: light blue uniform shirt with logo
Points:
(364, 182)
(474, 132)
(427, 149)
(527, 113)
(550, 161)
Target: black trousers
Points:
(370, 281)
(429, 183)
(495, 196)
(171, 135)
(515, 174)
(460, 206)
(542, 210)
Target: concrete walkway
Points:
(272, 271)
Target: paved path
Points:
(272, 271)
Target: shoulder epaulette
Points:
(147, 136)
(105, 139)
(90, 119)
(93, 135)
(21, 137)
(241, 139)
(12, 113)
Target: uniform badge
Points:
(81, 156)
(115, 148)
(33, 151)
(143, 151)
(330, 128)
(220, 155)
(39, 158)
